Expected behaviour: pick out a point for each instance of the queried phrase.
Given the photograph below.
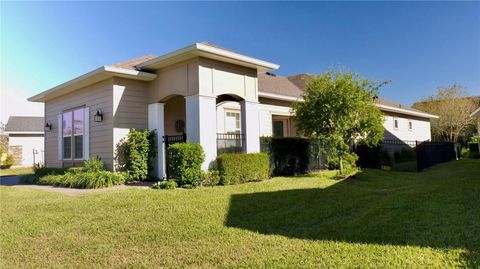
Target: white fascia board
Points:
(475, 112)
(91, 77)
(279, 96)
(199, 49)
(405, 111)
(236, 56)
(277, 110)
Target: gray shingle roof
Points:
(299, 82)
(24, 124)
(277, 85)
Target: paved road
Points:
(10, 180)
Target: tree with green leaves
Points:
(339, 110)
(453, 106)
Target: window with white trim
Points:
(395, 123)
(232, 122)
(73, 134)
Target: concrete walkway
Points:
(14, 181)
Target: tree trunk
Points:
(340, 164)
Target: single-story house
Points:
(26, 139)
(476, 114)
(218, 97)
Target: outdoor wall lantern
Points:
(48, 127)
(98, 117)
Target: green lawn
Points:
(378, 219)
(16, 171)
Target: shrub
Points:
(93, 165)
(405, 155)
(473, 150)
(139, 153)
(165, 185)
(349, 161)
(210, 178)
(85, 180)
(43, 171)
(290, 155)
(9, 161)
(185, 163)
(29, 179)
(241, 168)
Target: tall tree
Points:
(339, 110)
(453, 107)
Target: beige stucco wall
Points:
(130, 110)
(419, 132)
(174, 110)
(95, 96)
(177, 79)
(216, 78)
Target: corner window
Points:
(395, 123)
(410, 125)
(73, 131)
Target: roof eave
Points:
(407, 112)
(207, 51)
(280, 97)
(89, 78)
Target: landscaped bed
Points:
(377, 219)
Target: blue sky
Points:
(417, 45)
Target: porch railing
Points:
(230, 143)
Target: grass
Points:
(378, 219)
(16, 171)
(410, 166)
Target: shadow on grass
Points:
(371, 208)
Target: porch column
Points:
(250, 126)
(156, 122)
(202, 125)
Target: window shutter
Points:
(86, 134)
(60, 138)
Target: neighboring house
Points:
(26, 139)
(476, 115)
(218, 97)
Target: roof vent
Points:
(270, 74)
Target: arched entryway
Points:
(230, 138)
(175, 115)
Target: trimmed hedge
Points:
(185, 163)
(290, 156)
(244, 167)
(473, 150)
(368, 156)
(140, 151)
(405, 155)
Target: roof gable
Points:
(18, 124)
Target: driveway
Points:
(14, 181)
